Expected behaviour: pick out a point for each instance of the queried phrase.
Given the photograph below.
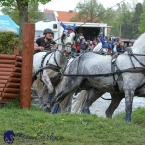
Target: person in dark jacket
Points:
(120, 47)
(83, 45)
(45, 42)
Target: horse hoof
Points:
(47, 109)
(87, 111)
(128, 117)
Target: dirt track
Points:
(99, 107)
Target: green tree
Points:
(22, 6)
(7, 42)
(136, 20)
(125, 25)
(141, 27)
(34, 14)
(88, 11)
(12, 12)
(122, 20)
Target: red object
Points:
(110, 50)
(78, 47)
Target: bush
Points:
(8, 40)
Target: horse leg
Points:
(47, 104)
(65, 105)
(116, 99)
(72, 84)
(85, 108)
(129, 94)
(38, 85)
(91, 96)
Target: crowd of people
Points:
(82, 45)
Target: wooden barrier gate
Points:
(10, 74)
(14, 71)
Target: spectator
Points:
(83, 45)
(94, 44)
(78, 47)
(73, 50)
(115, 46)
(121, 47)
(125, 45)
(90, 46)
(130, 44)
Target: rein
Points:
(130, 70)
(48, 65)
(118, 71)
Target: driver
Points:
(46, 42)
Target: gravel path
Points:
(99, 107)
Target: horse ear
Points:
(64, 26)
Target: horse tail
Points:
(78, 103)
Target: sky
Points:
(66, 5)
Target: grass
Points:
(36, 126)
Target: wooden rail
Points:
(10, 74)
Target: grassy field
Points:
(35, 127)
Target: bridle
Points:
(68, 32)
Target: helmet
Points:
(47, 31)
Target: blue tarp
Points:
(8, 25)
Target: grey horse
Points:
(96, 70)
(47, 66)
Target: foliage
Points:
(7, 42)
(127, 21)
(126, 29)
(34, 14)
(141, 27)
(13, 2)
(12, 12)
(88, 11)
(136, 20)
(122, 20)
(71, 129)
(22, 6)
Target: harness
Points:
(48, 65)
(115, 69)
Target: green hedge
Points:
(8, 41)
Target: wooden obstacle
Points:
(10, 74)
(15, 74)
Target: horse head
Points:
(68, 37)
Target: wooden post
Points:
(27, 62)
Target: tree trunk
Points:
(23, 13)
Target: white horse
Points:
(96, 70)
(50, 65)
